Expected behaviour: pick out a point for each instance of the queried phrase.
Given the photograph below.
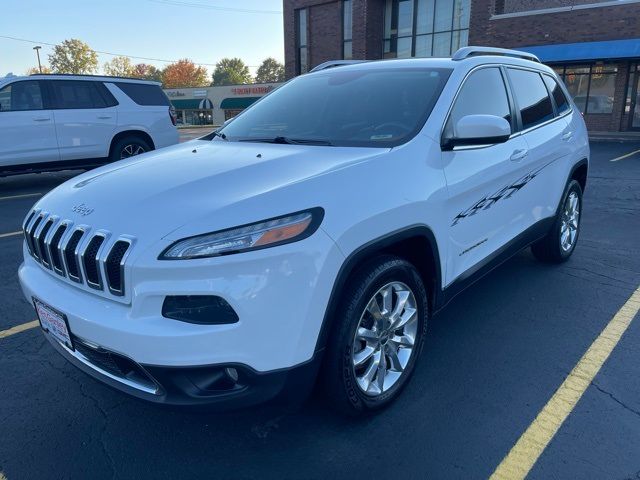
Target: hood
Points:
(156, 193)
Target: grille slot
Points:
(42, 246)
(32, 241)
(26, 232)
(54, 250)
(114, 267)
(91, 262)
(70, 256)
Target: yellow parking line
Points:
(625, 156)
(18, 329)
(10, 234)
(26, 195)
(525, 453)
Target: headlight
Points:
(269, 233)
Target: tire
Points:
(129, 146)
(558, 245)
(343, 382)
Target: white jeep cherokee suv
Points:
(317, 232)
(55, 122)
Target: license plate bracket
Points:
(54, 322)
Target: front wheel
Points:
(558, 245)
(377, 338)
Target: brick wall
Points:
(585, 25)
(325, 30)
(511, 6)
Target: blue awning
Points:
(568, 52)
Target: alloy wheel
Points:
(569, 222)
(131, 150)
(385, 338)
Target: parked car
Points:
(55, 122)
(313, 234)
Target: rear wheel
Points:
(378, 336)
(128, 147)
(558, 245)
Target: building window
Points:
(425, 28)
(301, 41)
(591, 86)
(347, 29)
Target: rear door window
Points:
(562, 104)
(144, 94)
(76, 94)
(531, 96)
(21, 96)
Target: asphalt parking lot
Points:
(492, 361)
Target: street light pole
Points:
(37, 49)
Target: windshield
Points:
(342, 107)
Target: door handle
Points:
(41, 119)
(104, 117)
(519, 154)
(567, 136)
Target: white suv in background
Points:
(313, 233)
(55, 122)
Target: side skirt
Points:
(52, 166)
(497, 258)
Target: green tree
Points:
(73, 56)
(231, 71)
(183, 74)
(270, 71)
(147, 72)
(118, 67)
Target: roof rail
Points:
(88, 75)
(334, 63)
(466, 52)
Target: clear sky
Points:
(203, 30)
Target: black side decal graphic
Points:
(486, 202)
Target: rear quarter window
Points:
(142, 94)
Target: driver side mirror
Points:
(478, 130)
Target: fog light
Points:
(232, 373)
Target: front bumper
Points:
(279, 294)
(207, 386)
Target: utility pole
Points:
(37, 49)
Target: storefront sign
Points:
(252, 90)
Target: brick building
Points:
(594, 45)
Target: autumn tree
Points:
(146, 72)
(118, 67)
(36, 70)
(184, 73)
(270, 71)
(231, 71)
(73, 56)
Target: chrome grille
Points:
(78, 253)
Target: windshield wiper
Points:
(289, 141)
